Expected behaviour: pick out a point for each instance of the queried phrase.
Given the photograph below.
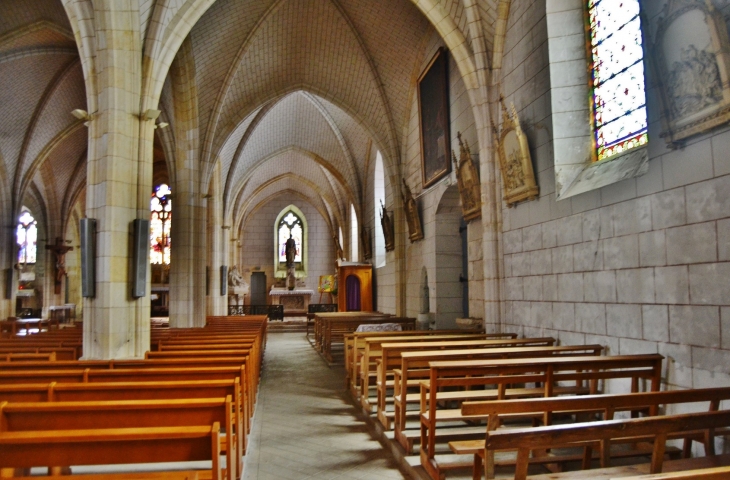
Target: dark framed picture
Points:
(433, 113)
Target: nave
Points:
(305, 425)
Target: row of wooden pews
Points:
(525, 405)
(190, 399)
(330, 328)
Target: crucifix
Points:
(59, 250)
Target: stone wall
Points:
(639, 266)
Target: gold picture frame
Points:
(518, 176)
(467, 177)
(433, 117)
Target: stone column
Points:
(187, 267)
(119, 176)
(187, 262)
(216, 304)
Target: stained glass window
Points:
(26, 236)
(161, 217)
(619, 100)
(290, 224)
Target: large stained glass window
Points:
(161, 217)
(26, 236)
(290, 224)
(619, 100)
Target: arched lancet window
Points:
(160, 220)
(26, 236)
(353, 234)
(617, 73)
(378, 198)
(291, 224)
(291, 220)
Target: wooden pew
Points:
(466, 378)
(73, 371)
(605, 406)
(415, 366)
(171, 475)
(27, 357)
(713, 473)
(314, 308)
(367, 344)
(111, 446)
(322, 323)
(115, 414)
(335, 329)
(60, 353)
(82, 392)
(320, 320)
(584, 435)
(391, 359)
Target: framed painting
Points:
(433, 113)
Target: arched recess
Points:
(301, 270)
(448, 288)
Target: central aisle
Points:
(304, 425)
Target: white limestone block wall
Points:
(639, 266)
(257, 242)
(440, 250)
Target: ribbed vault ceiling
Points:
(292, 95)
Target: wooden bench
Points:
(656, 429)
(713, 473)
(336, 329)
(26, 357)
(391, 359)
(69, 371)
(170, 475)
(605, 406)
(88, 415)
(79, 392)
(314, 308)
(416, 367)
(362, 348)
(111, 446)
(343, 325)
(552, 376)
(60, 353)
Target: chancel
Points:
(274, 236)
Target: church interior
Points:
(547, 169)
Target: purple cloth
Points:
(352, 294)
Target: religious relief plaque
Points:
(692, 57)
(467, 177)
(518, 177)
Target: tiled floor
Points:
(305, 426)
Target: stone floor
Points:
(305, 426)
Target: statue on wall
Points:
(367, 246)
(468, 180)
(518, 177)
(339, 254)
(59, 251)
(290, 248)
(387, 223)
(693, 65)
(411, 208)
(235, 279)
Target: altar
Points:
(293, 300)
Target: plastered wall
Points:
(257, 242)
